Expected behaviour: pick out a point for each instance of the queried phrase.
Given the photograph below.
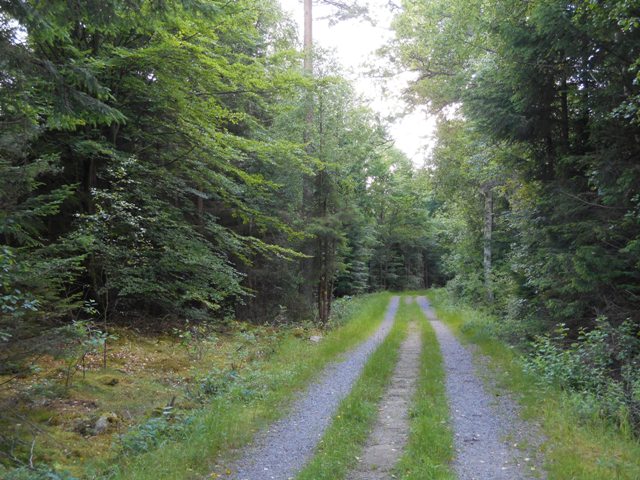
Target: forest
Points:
(178, 168)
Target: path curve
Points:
(480, 422)
(279, 452)
(391, 430)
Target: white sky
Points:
(354, 43)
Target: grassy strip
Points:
(231, 421)
(345, 437)
(430, 449)
(577, 448)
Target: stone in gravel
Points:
(281, 451)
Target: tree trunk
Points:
(487, 234)
(308, 37)
(307, 264)
(425, 266)
(564, 97)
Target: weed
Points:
(37, 473)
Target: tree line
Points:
(156, 163)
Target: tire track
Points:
(480, 421)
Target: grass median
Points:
(430, 448)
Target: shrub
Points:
(600, 366)
(342, 309)
(153, 433)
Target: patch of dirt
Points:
(391, 430)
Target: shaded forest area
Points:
(155, 164)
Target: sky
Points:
(354, 43)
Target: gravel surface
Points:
(391, 430)
(282, 450)
(482, 421)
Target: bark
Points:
(487, 234)
(308, 36)
(564, 93)
(425, 263)
(307, 264)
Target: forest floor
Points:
(148, 377)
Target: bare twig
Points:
(575, 197)
(33, 444)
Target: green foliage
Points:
(153, 433)
(601, 366)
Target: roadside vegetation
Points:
(340, 445)
(171, 406)
(584, 440)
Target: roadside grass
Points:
(231, 420)
(429, 451)
(348, 432)
(577, 447)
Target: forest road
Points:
(280, 451)
(486, 424)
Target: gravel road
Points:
(281, 451)
(481, 421)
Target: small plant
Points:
(194, 337)
(600, 366)
(37, 473)
(341, 310)
(154, 432)
(81, 339)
